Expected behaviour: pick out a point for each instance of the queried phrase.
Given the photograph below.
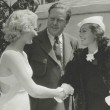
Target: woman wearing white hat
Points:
(89, 71)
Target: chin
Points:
(29, 42)
(84, 44)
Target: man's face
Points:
(56, 21)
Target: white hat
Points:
(94, 19)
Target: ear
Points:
(67, 22)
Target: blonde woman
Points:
(15, 72)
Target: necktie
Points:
(57, 48)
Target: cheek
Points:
(61, 27)
(49, 23)
(62, 24)
(91, 38)
(29, 38)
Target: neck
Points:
(18, 45)
(92, 48)
(53, 34)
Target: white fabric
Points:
(90, 56)
(94, 19)
(16, 97)
(107, 100)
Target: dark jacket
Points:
(91, 80)
(46, 68)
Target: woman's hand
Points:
(68, 89)
(61, 95)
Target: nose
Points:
(55, 22)
(80, 35)
(35, 33)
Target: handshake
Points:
(65, 91)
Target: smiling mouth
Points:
(54, 27)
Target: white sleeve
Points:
(15, 63)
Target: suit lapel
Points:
(46, 46)
(67, 49)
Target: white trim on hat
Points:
(94, 19)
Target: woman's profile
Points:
(15, 72)
(89, 71)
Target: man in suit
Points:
(47, 69)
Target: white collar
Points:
(51, 38)
(90, 56)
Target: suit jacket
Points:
(46, 67)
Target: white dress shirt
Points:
(52, 40)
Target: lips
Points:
(54, 27)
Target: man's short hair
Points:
(62, 6)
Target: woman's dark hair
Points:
(102, 40)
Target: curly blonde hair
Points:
(18, 22)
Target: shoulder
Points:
(40, 36)
(104, 50)
(36, 42)
(70, 36)
(10, 56)
(80, 52)
(77, 55)
(105, 57)
(8, 53)
(104, 54)
(42, 32)
(73, 40)
(107, 51)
